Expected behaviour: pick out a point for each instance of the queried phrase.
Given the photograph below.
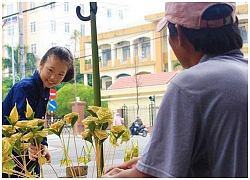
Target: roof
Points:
(143, 80)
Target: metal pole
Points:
(12, 54)
(21, 40)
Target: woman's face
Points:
(53, 71)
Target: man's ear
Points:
(181, 36)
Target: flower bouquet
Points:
(72, 170)
(98, 127)
(17, 137)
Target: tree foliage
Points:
(65, 96)
(30, 64)
(6, 85)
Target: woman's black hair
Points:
(65, 55)
(213, 41)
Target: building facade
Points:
(50, 24)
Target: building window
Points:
(10, 30)
(10, 9)
(53, 44)
(120, 14)
(82, 9)
(67, 46)
(66, 27)
(52, 6)
(82, 29)
(145, 46)
(32, 5)
(109, 13)
(106, 56)
(125, 53)
(33, 27)
(33, 48)
(244, 34)
(11, 19)
(53, 26)
(108, 83)
(66, 7)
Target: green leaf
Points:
(92, 113)
(60, 131)
(31, 116)
(36, 129)
(39, 139)
(120, 133)
(9, 120)
(6, 133)
(73, 121)
(105, 125)
(54, 132)
(8, 165)
(92, 126)
(89, 139)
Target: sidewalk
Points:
(115, 155)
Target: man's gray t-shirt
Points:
(201, 129)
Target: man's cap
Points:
(188, 14)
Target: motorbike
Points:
(136, 129)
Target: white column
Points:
(113, 54)
(85, 76)
(113, 79)
(132, 52)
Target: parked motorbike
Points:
(136, 129)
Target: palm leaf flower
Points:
(29, 114)
(57, 128)
(98, 127)
(86, 154)
(127, 154)
(18, 137)
(135, 149)
(13, 118)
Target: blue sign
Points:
(52, 105)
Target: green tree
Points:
(79, 77)
(30, 64)
(74, 38)
(177, 65)
(65, 97)
(6, 85)
(7, 63)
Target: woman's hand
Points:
(33, 153)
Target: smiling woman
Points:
(55, 67)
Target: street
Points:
(114, 156)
